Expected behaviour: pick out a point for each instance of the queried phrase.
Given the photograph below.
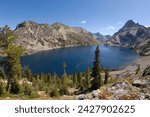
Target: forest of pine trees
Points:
(15, 80)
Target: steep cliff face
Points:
(35, 37)
(132, 35)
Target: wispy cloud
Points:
(110, 28)
(83, 22)
(119, 23)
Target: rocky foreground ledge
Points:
(124, 89)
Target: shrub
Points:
(64, 90)
(2, 89)
(28, 90)
(15, 87)
(138, 69)
(54, 93)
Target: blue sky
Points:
(104, 16)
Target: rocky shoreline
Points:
(124, 84)
(31, 52)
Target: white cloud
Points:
(119, 23)
(110, 28)
(83, 22)
(147, 26)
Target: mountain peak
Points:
(26, 23)
(58, 24)
(130, 24)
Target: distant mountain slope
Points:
(35, 37)
(101, 37)
(132, 35)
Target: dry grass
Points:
(127, 97)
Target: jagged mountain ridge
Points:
(132, 35)
(101, 37)
(36, 37)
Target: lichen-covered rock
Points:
(92, 95)
(120, 88)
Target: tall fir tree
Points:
(96, 71)
(96, 68)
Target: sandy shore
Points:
(143, 61)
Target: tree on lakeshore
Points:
(97, 82)
(96, 71)
(96, 68)
(106, 76)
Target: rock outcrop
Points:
(94, 95)
(35, 37)
(132, 35)
(146, 72)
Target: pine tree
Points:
(96, 68)
(106, 76)
(75, 80)
(13, 66)
(100, 81)
(80, 81)
(6, 37)
(87, 78)
(11, 63)
(97, 82)
(65, 79)
(96, 71)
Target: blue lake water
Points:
(77, 58)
